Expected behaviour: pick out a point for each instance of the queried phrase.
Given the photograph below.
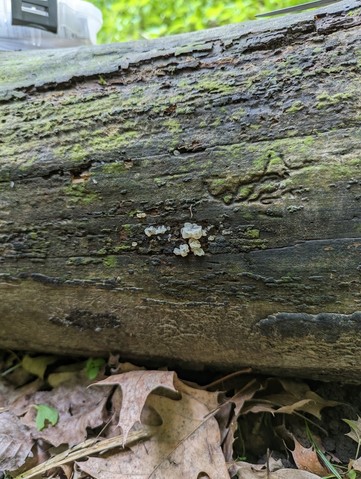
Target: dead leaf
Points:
(289, 397)
(297, 406)
(209, 399)
(301, 391)
(15, 442)
(185, 445)
(355, 433)
(356, 464)
(246, 470)
(84, 449)
(246, 394)
(79, 408)
(136, 387)
(307, 459)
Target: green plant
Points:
(45, 415)
(135, 19)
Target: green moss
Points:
(183, 83)
(114, 168)
(82, 260)
(173, 125)
(237, 115)
(214, 84)
(123, 247)
(296, 71)
(324, 100)
(127, 227)
(216, 122)
(105, 142)
(248, 215)
(33, 235)
(77, 153)
(227, 199)
(308, 140)
(218, 186)
(244, 192)
(296, 106)
(265, 159)
(252, 233)
(354, 13)
(110, 261)
(185, 110)
(79, 193)
(325, 173)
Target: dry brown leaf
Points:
(15, 442)
(296, 406)
(18, 398)
(246, 470)
(296, 396)
(209, 399)
(185, 445)
(301, 391)
(356, 464)
(257, 407)
(136, 387)
(79, 408)
(245, 394)
(355, 426)
(228, 414)
(228, 425)
(307, 459)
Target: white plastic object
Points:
(78, 24)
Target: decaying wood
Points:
(250, 131)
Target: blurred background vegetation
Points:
(135, 19)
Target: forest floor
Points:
(75, 418)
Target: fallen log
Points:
(192, 200)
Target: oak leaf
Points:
(136, 387)
(185, 444)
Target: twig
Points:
(86, 448)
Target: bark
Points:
(250, 131)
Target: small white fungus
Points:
(183, 250)
(155, 230)
(194, 244)
(192, 230)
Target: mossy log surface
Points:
(251, 131)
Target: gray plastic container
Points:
(78, 24)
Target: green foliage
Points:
(45, 415)
(93, 367)
(37, 365)
(134, 19)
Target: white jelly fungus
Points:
(191, 230)
(155, 230)
(183, 250)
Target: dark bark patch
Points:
(325, 326)
(82, 319)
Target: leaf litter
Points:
(129, 422)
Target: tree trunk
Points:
(251, 134)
